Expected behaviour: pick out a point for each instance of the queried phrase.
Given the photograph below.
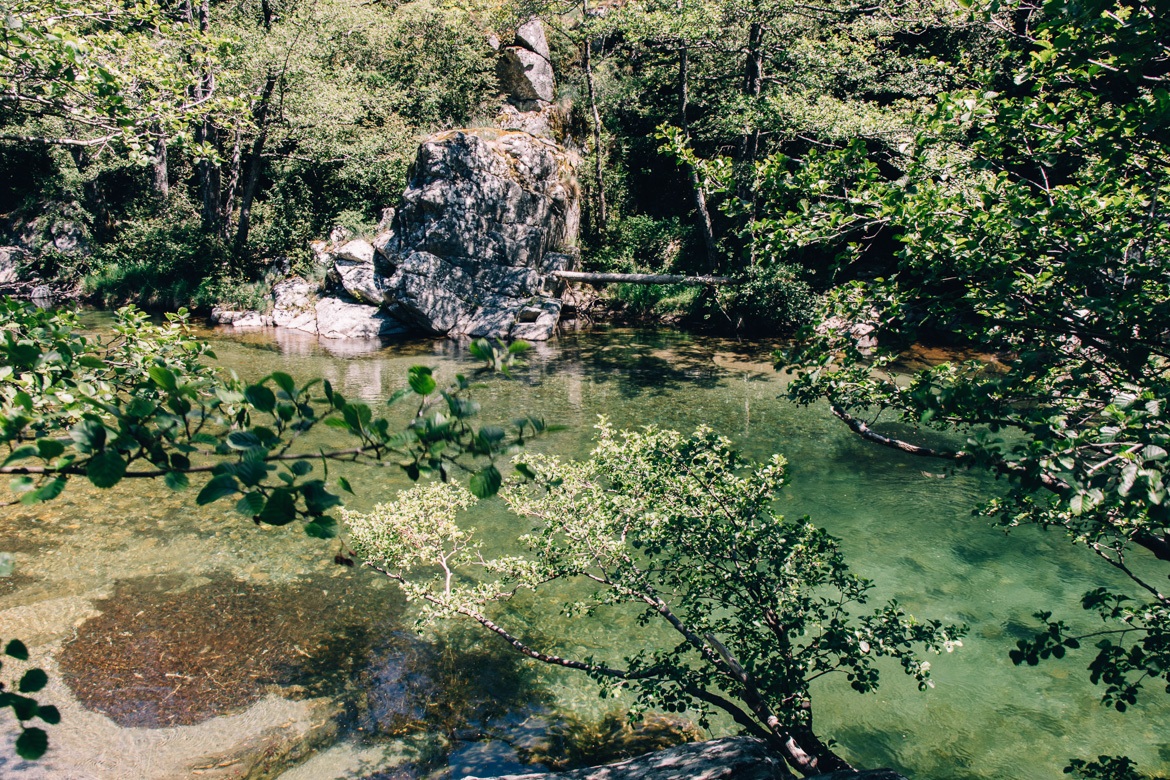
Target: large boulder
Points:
(338, 319)
(525, 68)
(487, 216)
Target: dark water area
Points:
(159, 616)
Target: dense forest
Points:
(990, 178)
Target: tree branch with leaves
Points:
(671, 530)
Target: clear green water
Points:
(907, 529)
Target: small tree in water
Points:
(682, 529)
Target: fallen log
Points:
(598, 278)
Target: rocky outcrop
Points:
(354, 272)
(487, 216)
(731, 758)
(296, 305)
(524, 68)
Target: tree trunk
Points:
(753, 78)
(696, 183)
(253, 177)
(205, 132)
(601, 278)
(805, 753)
(227, 202)
(160, 179)
(600, 181)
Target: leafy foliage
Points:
(1028, 225)
(668, 526)
(145, 404)
(104, 74)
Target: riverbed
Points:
(186, 641)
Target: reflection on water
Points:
(123, 589)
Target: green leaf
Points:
(176, 480)
(164, 378)
(91, 361)
(526, 471)
(46, 492)
(284, 382)
(217, 488)
(140, 408)
(317, 498)
(492, 434)
(281, 508)
(322, 528)
(301, 468)
(24, 707)
(33, 680)
(20, 453)
(89, 434)
(106, 469)
(519, 347)
(16, 649)
(242, 440)
(32, 744)
(260, 397)
(486, 482)
(421, 380)
(343, 483)
(251, 504)
(50, 448)
(480, 349)
(398, 395)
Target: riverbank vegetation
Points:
(988, 176)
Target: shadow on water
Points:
(650, 363)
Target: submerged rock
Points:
(730, 758)
(160, 655)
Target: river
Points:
(180, 641)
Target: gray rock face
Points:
(11, 259)
(530, 35)
(353, 270)
(731, 758)
(338, 319)
(296, 306)
(524, 69)
(487, 215)
(525, 75)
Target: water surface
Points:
(105, 578)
